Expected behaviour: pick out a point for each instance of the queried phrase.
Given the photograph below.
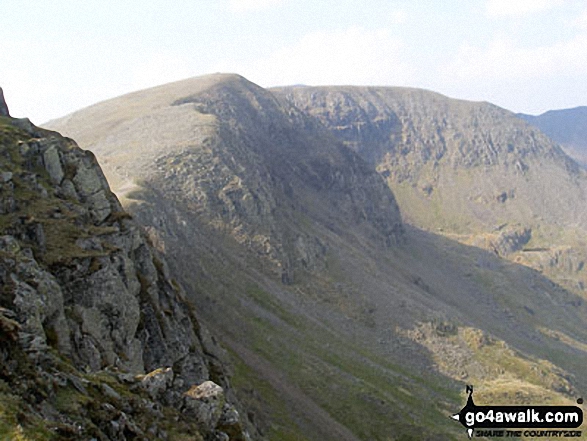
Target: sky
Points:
(524, 55)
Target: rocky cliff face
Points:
(468, 170)
(83, 288)
(450, 156)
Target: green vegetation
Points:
(371, 396)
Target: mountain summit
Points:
(468, 170)
(247, 162)
(474, 164)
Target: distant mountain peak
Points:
(567, 127)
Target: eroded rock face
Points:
(79, 277)
(222, 153)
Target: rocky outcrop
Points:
(3, 106)
(80, 281)
(568, 127)
(243, 190)
(509, 240)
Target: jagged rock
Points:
(205, 402)
(247, 181)
(248, 175)
(3, 106)
(482, 162)
(158, 382)
(52, 163)
(230, 423)
(39, 308)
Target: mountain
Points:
(568, 127)
(471, 171)
(98, 341)
(341, 318)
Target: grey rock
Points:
(110, 393)
(510, 240)
(205, 403)
(68, 189)
(6, 176)
(80, 280)
(158, 382)
(52, 161)
(86, 179)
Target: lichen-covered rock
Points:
(158, 382)
(52, 162)
(205, 403)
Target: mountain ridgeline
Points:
(280, 214)
(466, 159)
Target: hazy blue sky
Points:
(525, 55)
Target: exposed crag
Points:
(473, 164)
(98, 341)
(247, 164)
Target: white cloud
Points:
(350, 56)
(252, 5)
(497, 8)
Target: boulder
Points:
(205, 403)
